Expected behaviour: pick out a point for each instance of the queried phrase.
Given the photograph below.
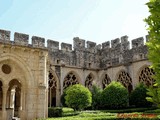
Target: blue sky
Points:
(61, 20)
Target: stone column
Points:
(58, 95)
(21, 100)
(49, 98)
(42, 102)
(12, 99)
(22, 105)
(4, 113)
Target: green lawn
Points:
(86, 116)
(147, 114)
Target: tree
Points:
(78, 97)
(115, 96)
(96, 97)
(138, 96)
(63, 98)
(153, 44)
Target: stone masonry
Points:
(33, 76)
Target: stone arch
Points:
(105, 80)
(70, 79)
(14, 96)
(145, 75)
(89, 81)
(1, 94)
(23, 66)
(26, 78)
(125, 79)
(53, 89)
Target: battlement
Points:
(21, 39)
(84, 53)
(78, 44)
(118, 43)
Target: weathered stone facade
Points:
(33, 77)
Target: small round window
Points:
(6, 69)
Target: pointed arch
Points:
(89, 81)
(23, 66)
(105, 80)
(14, 96)
(70, 79)
(145, 75)
(125, 79)
(53, 89)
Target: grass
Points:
(85, 115)
(124, 114)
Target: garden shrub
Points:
(63, 98)
(115, 96)
(96, 97)
(138, 96)
(78, 97)
(54, 112)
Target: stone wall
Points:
(85, 54)
(84, 62)
(28, 67)
(120, 53)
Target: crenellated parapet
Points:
(21, 39)
(66, 46)
(121, 53)
(83, 54)
(138, 42)
(4, 36)
(38, 42)
(52, 45)
(78, 43)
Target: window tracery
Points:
(70, 79)
(89, 81)
(52, 82)
(106, 81)
(52, 86)
(146, 76)
(126, 80)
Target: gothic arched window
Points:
(52, 85)
(89, 81)
(146, 76)
(70, 79)
(106, 80)
(126, 80)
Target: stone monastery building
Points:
(33, 76)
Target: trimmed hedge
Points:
(96, 97)
(63, 98)
(138, 96)
(54, 112)
(115, 96)
(78, 97)
(156, 111)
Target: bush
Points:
(115, 96)
(63, 98)
(54, 112)
(78, 97)
(138, 97)
(96, 97)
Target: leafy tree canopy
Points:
(153, 21)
